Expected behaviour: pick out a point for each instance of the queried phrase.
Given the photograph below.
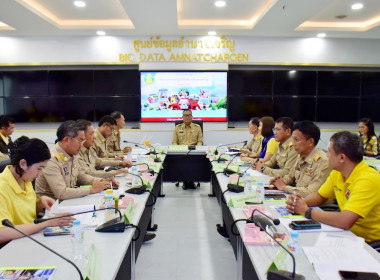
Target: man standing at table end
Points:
(187, 133)
(355, 186)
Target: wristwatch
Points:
(308, 213)
(262, 168)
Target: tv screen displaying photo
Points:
(165, 94)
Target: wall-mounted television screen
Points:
(165, 94)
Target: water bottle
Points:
(138, 159)
(247, 183)
(260, 192)
(76, 235)
(109, 203)
(129, 156)
(135, 179)
(294, 247)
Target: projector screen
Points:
(165, 94)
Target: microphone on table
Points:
(142, 147)
(141, 189)
(151, 171)
(8, 223)
(236, 188)
(262, 222)
(114, 225)
(216, 150)
(228, 171)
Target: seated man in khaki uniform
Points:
(311, 168)
(253, 148)
(114, 141)
(285, 157)
(106, 127)
(187, 133)
(62, 174)
(89, 162)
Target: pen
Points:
(294, 198)
(94, 213)
(111, 185)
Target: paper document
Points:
(328, 261)
(339, 240)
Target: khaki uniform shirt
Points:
(113, 144)
(282, 161)
(100, 145)
(308, 174)
(89, 163)
(61, 174)
(255, 144)
(187, 135)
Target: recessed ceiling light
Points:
(80, 4)
(100, 33)
(321, 35)
(357, 6)
(220, 3)
(211, 33)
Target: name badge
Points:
(65, 171)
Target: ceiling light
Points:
(220, 3)
(321, 35)
(80, 4)
(211, 33)
(100, 33)
(357, 6)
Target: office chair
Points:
(3, 163)
(375, 245)
(198, 122)
(330, 207)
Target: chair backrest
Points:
(3, 163)
(198, 122)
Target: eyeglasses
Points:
(187, 116)
(277, 129)
(112, 128)
(79, 141)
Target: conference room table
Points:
(253, 261)
(116, 250)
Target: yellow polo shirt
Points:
(16, 205)
(360, 194)
(272, 146)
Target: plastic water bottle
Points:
(129, 156)
(135, 179)
(77, 237)
(260, 193)
(247, 183)
(109, 203)
(138, 159)
(294, 247)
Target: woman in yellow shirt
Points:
(18, 202)
(367, 133)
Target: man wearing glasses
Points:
(187, 133)
(285, 157)
(106, 127)
(61, 174)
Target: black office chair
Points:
(198, 122)
(375, 245)
(3, 163)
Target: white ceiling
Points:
(274, 18)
